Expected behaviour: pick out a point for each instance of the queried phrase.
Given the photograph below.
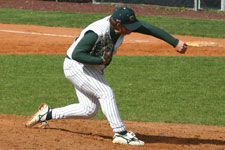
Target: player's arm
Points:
(157, 32)
(161, 34)
(81, 52)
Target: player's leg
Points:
(101, 89)
(109, 107)
(89, 81)
(88, 103)
(86, 108)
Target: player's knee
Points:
(90, 112)
(107, 94)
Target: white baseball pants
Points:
(92, 91)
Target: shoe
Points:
(40, 116)
(129, 138)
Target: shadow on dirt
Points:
(156, 139)
(81, 133)
(178, 140)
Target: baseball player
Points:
(84, 66)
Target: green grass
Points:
(58, 19)
(180, 26)
(148, 88)
(187, 26)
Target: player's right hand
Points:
(181, 47)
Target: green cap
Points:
(126, 17)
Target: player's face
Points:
(122, 29)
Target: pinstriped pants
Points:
(92, 91)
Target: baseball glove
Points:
(104, 49)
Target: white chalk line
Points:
(197, 44)
(136, 41)
(35, 33)
(67, 36)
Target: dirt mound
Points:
(97, 135)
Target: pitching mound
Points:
(97, 135)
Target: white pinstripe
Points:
(92, 90)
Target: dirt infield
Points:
(20, 39)
(96, 134)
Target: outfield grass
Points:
(180, 26)
(148, 88)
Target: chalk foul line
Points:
(67, 36)
(35, 33)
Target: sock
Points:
(49, 116)
(123, 132)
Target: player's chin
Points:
(127, 32)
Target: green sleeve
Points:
(157, 32)
(83, 48)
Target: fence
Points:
(76, 1)
(195, 4)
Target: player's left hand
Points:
(107, 55)
(181, 47)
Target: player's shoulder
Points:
(105, 19)
(100, 26)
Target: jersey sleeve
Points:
(149, 29)
(83, 48)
